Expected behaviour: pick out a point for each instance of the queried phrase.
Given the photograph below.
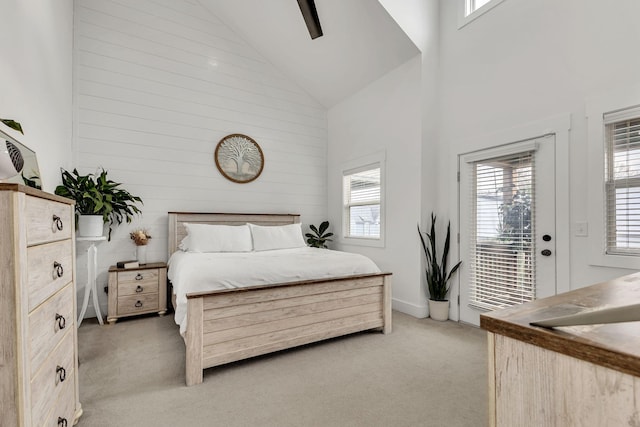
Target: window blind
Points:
(622, 182)
(502, 264)
(362, 202)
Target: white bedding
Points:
(198, 272)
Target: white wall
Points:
(35, 72)
(524, 62)
(157, 84)
(385, 116)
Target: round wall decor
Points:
(239, 158)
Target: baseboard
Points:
(419, 311)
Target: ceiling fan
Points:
(310, 15)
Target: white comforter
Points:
(197, 272)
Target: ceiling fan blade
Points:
(310, 14)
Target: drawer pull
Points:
(139, 276)
(62, 322)
(57, 269)
(57, 221)
(138, 304)
(139, 289)
(62, 422)
(61, 374)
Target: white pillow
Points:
(217, 238)
(276, 237)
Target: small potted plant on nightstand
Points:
(436, 272)
(99, 200)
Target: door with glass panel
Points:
(507, 226)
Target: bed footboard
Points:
(226, 326)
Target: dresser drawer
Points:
(49, 268)
(48, 324)
(52, 378)
(135, 304)
(63, 412)
(47, 220)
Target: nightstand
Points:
(138, 290)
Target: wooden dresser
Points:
(567, 376)
(38, 337)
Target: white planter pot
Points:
(90, 226)
(439, 310)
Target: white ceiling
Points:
(361, 42)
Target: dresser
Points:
(139, 290)
(38, 337)
(584, 375)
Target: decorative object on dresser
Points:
(140, 237)
(16, 159)
(225, 325)
(38, 336)
(436, 272)
(140, 290)
(239, 158)
(99, 201)
(318, 238)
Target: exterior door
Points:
(507, 226)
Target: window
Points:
(622, 182)
(472, 9)
(613, 180)
(362, 202)
(473, 5)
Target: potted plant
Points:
(318, 238)
(436, 272)
(98, 197)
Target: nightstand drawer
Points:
(135, 304)
(48, 324)
(47, 221)
(49, 268)
(137, 282)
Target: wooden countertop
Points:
(614, 345)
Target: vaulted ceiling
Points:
(361, 42)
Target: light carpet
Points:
(425, 373)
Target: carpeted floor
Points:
(425, 373)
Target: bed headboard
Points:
(177, 219)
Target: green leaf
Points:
(13, 125)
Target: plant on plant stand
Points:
(319, 239)
(436, 272)
(100, 198)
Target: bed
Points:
(227, 325)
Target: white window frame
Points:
(597, 107)
(464, 5)
(372, 161)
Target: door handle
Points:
(546, 252)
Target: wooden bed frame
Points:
(229, 325)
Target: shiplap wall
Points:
(157, 83)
